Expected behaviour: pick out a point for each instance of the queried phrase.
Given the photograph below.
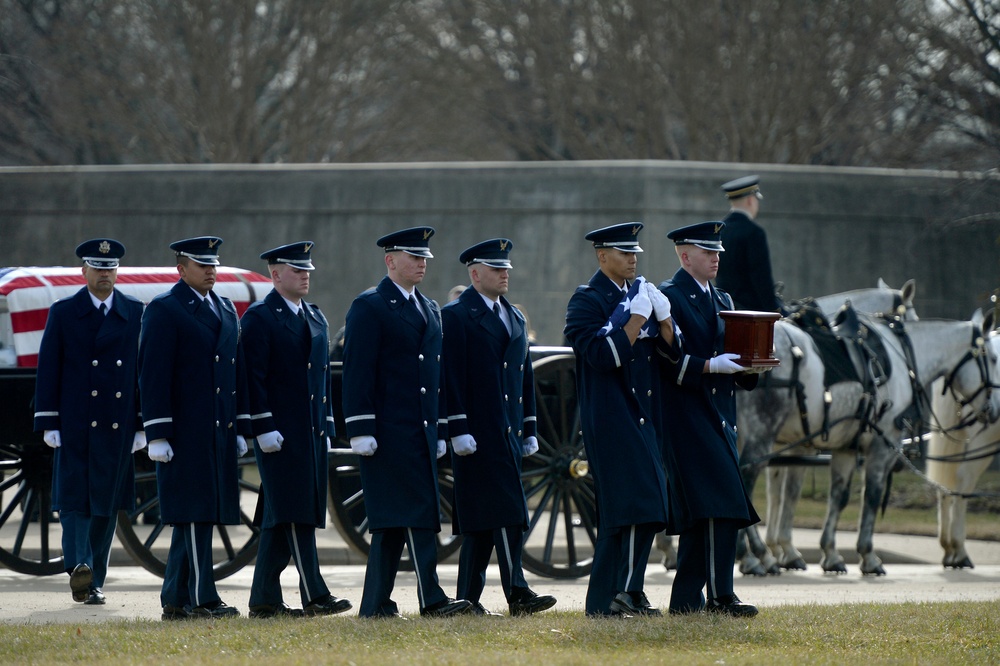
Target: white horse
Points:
(960, 448)
(854, 417)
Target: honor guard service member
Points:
(708, 501)
(490, 392)
(394, 416)
(746, 273)
(613, 324)
(86, 402)
(196, 412)
(286, 346)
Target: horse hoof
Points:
(755, 570)
(965, 563)
(835, 569)
(878, 571)
(796, 565)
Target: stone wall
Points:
(830, 229)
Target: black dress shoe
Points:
(330, 606)
(171, 612)
(525, 602)
(447, 607)
(96, 597)
(479, 609)
(80, 580)
(214, 609)
(731, 605)
(281, 609)
(634, 603)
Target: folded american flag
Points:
(622, 313)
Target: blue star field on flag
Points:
(623, 312)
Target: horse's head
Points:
(975, 382)
(882, 300)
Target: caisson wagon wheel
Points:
(147, 540)
(30, 535)
(347, 504)
(347, 499)
(562, 525)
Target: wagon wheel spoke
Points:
(556, 479)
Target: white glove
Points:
(241, 446)
(139, 441)
(270, 442)
(442, 448)
(364, 445)
(463, 445)
(329, 445)
(641, 304)
(160, 451)
(530, 445)
(52, 438)
(725, 364)
(661, 304)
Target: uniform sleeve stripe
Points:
(614, 350)
(457, 417)
(264, 415)
(37, 414)
(146, 424)
(360, 417)
(684, 366)
(529, 419)
(242, 416)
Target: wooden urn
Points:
(751, 335)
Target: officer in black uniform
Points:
(746, 272)
(708, 501)
(618, 390)
(491, 422)
(286, 343)
(86, 401)
(196, 412)
(395, 421)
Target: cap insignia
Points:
(635, 230)
(212, 242)
(307, 247)
(427, 233)
(104, 247)
(718, 228)
(503, 245)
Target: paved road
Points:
(912, 563)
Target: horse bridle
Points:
(978, 353)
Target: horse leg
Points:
(967, 477)
(879, 459)
(665, 544)
(945, 510)
(791, 491)
(753, 556)
(842, 464)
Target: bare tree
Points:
(956, 52)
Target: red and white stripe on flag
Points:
(30, 291)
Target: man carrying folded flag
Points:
(614, 324)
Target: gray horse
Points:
(852, 418)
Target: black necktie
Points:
(302, 314)
(104, 309)
(496, 310)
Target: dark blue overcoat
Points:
(618, 391)
(745, 269)
(392, 373)
(288, 370)
(86, 389)
(194, 394)
(699, 412)
(491, 395)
